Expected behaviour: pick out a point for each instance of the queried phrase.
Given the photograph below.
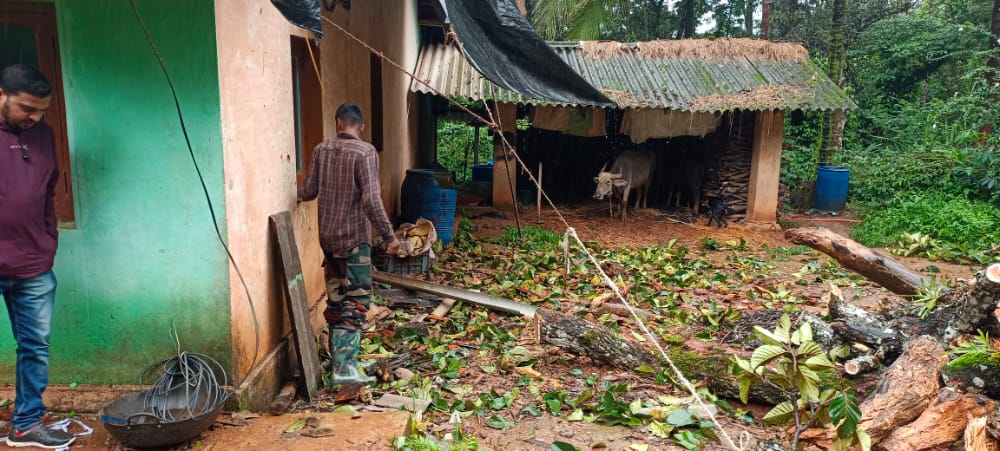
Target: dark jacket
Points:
(28, 176)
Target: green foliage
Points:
(455, 148)
(928, 295)
(892, 58)
(968, 225)
(792, 362)
(975, 352)
(535, 237)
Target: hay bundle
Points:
(602, 49)
(703, 49)
(761, 97)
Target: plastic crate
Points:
(402, 266)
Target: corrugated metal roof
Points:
(636, 81)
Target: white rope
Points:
(494, 124)
(570, 231)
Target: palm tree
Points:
(594, 19)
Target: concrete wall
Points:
(144, 252)
(255, 90)
(390, 27)
(255, 87)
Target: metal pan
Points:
(129, 421)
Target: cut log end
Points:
(861, 364)
(993, 273)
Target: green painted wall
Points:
(144, 252)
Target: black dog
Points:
(718, 207)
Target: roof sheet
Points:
(634, 80)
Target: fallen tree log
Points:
(877, 267)
(582, 337)
(960, 312)
(905, 390)
(901, 395)
(856, 324)
(939, 425)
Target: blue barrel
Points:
(426, 193)
(831, 188)
(482, 172)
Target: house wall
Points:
(259, 144)
(143, 254)
(255, 89)
(390, 27)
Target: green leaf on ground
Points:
(499, 422)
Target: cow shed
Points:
(712, 110)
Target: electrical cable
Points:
(200, 368)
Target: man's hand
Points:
(391, 248)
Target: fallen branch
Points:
(877, 267)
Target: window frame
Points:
(307, 104)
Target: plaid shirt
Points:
(344, 175)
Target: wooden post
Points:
(505, 166)
(765, 167)
(538, 195)
(475, 147)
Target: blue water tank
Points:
(831, 188)
(425, 195)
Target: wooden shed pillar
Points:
(765, 167)
(505, 166)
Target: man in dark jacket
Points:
(28, 240)
(344, 176)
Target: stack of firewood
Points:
(732, 174)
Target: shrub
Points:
(455, 141)
(951, 219)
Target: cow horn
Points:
(605, 167)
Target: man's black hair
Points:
(350, 114)
(19, 78)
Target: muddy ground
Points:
(561, 371)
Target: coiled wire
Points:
(188, 387)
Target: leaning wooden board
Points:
(298, 305)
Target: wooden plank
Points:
(298, 305)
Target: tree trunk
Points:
(828, 142)
(748, 9)
(688, 20)
(877, 267)
(994, 61)
(901, 396)
(940, 425)
(905, 390)
(765, 19)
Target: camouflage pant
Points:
(348, 288)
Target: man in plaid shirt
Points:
(344, 176)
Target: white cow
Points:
(632, 170)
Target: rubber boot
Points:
(344, 351)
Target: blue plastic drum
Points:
(831, 188)
(424, 196)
